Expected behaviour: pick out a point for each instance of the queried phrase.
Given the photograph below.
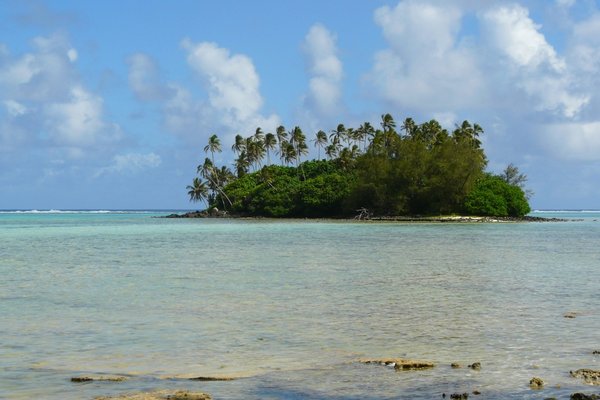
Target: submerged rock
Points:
(583, 396)
(596, 352)
(589, 376)
(536, 383)
(160, 395)
(571, 314)
(98, 378)
(459, 396)
(401, 364)
(212, 378)
(476, 366)
(455, 365)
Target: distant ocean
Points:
(289, 307)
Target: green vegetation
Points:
(420, 169)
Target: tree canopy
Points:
(422, 169)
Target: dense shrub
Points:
(495, 197)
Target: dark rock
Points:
(459, 396)
(160, 395)
(456, 365)
(475, 366)
(596, 352)
(212, 378)
(536, 383)
(401, 364)
(589, 376)
(583, 396)
(476, 392)
(98, 378)
(571, 314)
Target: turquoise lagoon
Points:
(290, 306)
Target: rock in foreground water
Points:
(536, 383)
(583, 396)
(589, 376)
(475, 366)
(98, 378)
(160, 395)
(401, 364)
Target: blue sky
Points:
(108, 104)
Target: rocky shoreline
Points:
(216, 213)
(399, 365)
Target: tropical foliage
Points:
(420, 169)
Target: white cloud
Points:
(532, 63)
(325, 68)
(573, 141)
(72, 55)
(514, 33)
(232, 87)
(46, 101)
(565, 3)
(231, 80)
(130, 163)
(14, 108)
(144, 79)
(78, 121)
(426, 67)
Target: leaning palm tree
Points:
(320, 140)
(331, 151)
(387, 124)
(242, 164)
(239, 144)
(289, 153)
(270, 143)
(198, 191)
(258, 134)
(281, 140)
(338, 134)
(214, 145)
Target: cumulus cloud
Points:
(231, 80)
(426, 65)
(232, 86)
(326, 72)
(130, 163)
(531, 61)
(45, 101)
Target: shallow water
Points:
(290, 306)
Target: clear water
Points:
(290, 306)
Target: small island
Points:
(419, 171)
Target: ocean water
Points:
(289, 307)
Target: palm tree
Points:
(468, 133)
(258, 134)
(387, 124)
(289, 153)
(365, 131)
(214, 145)
(239, 144)
(331, 151)
(270, 143)
(255, 151)
(282, 140)
(298, 141)
(320, 140)
(409, 127)
(198, 191)
(242, 164)
(338, 134)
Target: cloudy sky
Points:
(108, 104)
